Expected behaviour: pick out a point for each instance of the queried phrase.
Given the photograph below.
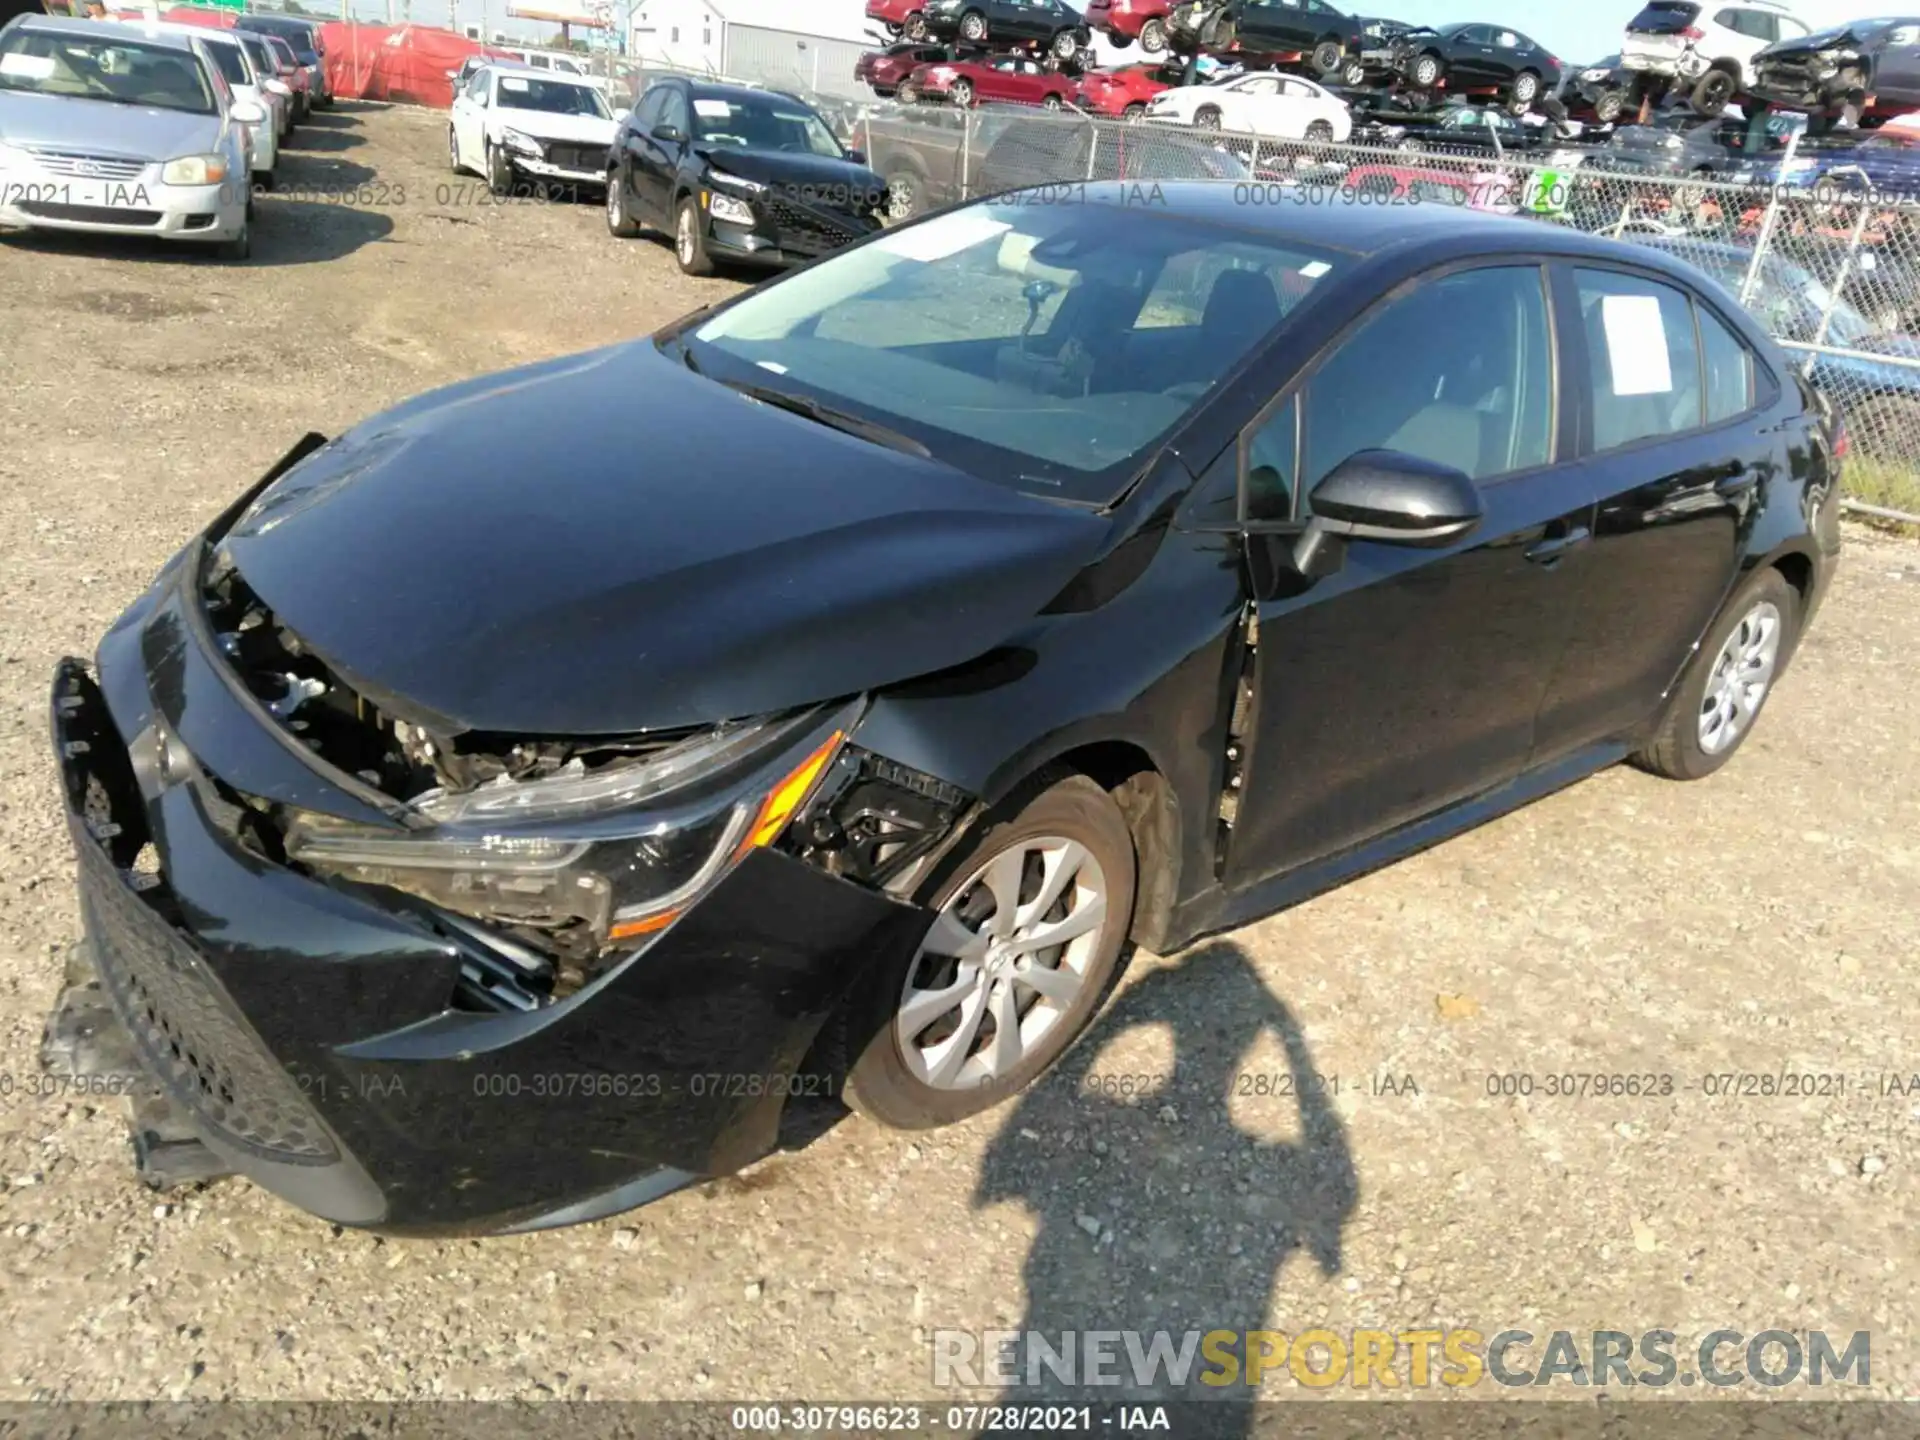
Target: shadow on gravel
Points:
(321, 135)
(1122, 1245)
(294, 231)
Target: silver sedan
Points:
(114, 129)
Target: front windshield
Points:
(552, 97)
(1045, 347)
(762, 122)
(103, 67)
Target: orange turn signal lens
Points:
(645, 925)
(788, 796)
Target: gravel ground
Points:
(1767, 918)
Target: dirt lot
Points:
(1766, 919)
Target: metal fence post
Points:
(1764, 240)
(1093, 146)
(966, 155)
(1845, 273)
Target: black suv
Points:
(1845, 73)
(1327, 41)
(1596, 92)
(1051, 25)
(734, 173)
(1479, 57)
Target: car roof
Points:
(711, 90)
(159, 35)
(1367, 230)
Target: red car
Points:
(1010, 77)
(901, 17)
(1125, 21)
(885, 69)
(1126, 90)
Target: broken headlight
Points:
(590, 861)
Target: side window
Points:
(1733, 20)
(652, 106)
(1459, 371)
(677, 113)
(477, 87)
(1270, 452)
(1729, 369)
(1642, 357)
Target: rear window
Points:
(1665, 17)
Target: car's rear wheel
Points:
(1066, 45)
(619, 223)
(1732, 674)
(1052, 102)
(1712, 93)
(690, 239)
(499, 171)
(1353, 73)
(915, 27)
(1032, 913)
(1328, 57)
(907, 94)
(973, 27)
(453, 151)
(1153, 36)
(904, 197)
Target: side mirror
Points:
(669, 134)
(1388, 497)
(245, 112)
(856, 155)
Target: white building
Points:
(700, 34)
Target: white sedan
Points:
(1283, 106)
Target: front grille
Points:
(87, 167)
(578, 157)
(191, 1039)
(91, 214)
(813, 232)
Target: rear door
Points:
(1273, 27)
(1411, 678)
(1897, 74)
(1672, 416)
(1021, 20)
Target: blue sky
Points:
(1579, 31)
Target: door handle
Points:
(1548, 552)
(1735, 478)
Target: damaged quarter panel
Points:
(627, 580)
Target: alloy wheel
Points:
(615, 213)
(1742, 674)
(683, 236)
(1525, 87)
(453, 148)
(1003, 964)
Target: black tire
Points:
(1135, 113)
(962, 93)
(1051, 102)
(499, 171)
(1328, 57)
(238, 250)
(973, 27)
(1153, 36)
(879, 1084)
(453, 152)
(620, 224)
(1525, 90)
(1353, 74)
(1712, 93)
(1120, 42)
(1207, 117)
(907, 95)
(1320, 132)
(916, 26)
(1065, 45)
(690, 239)
(263, 180)
(1425, 72)
(1676, 751)
(1607, 108)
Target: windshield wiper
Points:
(833, 419)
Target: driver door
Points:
(1411, 679)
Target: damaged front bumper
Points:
(310, 1034)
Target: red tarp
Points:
(404, 63)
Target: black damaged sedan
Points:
(476, 837)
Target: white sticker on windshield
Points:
(1314, 269)
(712, 109)
(513, 83)
(937, 239)
(27, 67)
(1636, 345)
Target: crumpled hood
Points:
(1840, 37)
(610, 543)
(570, 129)
(784, 170)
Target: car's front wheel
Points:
(1712, 93)
(1425, 71)
(690, 239)
(453, 151)
(973, 27)
(1031, 916)
(916, 26)
(1724, 689)
(499, 171)
(1153, 36)
(619, 223)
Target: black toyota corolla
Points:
(479, 836)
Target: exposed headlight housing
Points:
(739, 183)
(195, 170)
(591, 864)
(523, 143)
(730, 210)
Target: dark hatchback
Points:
(474, 839)
(1468, 58)
(1846, 73)
(754, 177)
